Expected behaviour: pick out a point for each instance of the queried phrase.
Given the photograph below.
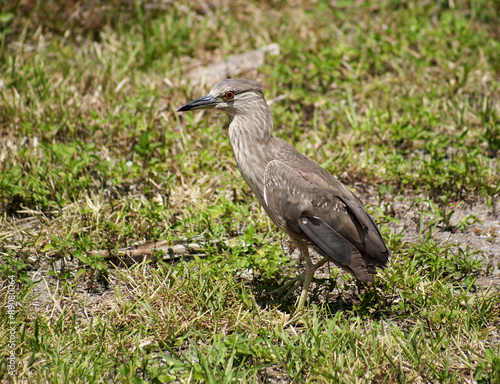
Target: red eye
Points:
(229, 95)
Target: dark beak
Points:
(205, 102)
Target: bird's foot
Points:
(303, 279)
(295, 282)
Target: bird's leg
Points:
(303, 279)
(297, 281)
(308, 276)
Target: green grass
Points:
(398, 98)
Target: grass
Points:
(399, 99)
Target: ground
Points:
(140, 255)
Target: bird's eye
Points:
(229, 95)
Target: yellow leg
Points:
(303, 279)
(308, 276)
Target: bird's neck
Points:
(250, 139)
(251, 129)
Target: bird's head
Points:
(232, 96)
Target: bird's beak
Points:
(205, 102)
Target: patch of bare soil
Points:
(481, 231)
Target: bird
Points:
(303, 199)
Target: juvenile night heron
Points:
(304, 200)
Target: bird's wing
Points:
(320, 218)
(367, 232)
